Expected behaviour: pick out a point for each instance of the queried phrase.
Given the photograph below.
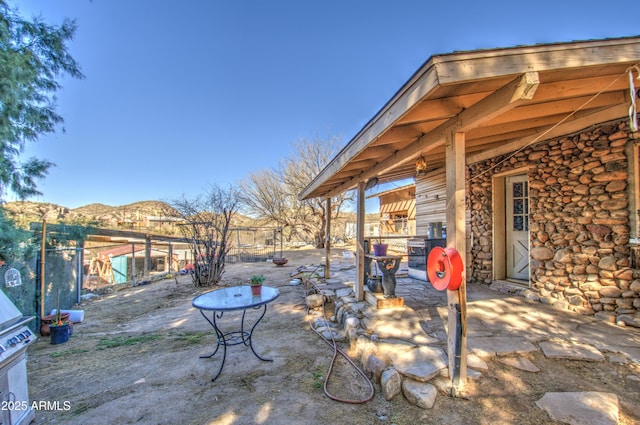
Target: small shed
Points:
(397, 211)
(117, 265)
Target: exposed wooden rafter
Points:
(508, 97)
(569, 126)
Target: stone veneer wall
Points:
(579, 220)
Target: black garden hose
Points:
(336, 351)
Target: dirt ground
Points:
(135, 360)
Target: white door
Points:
(517, 229)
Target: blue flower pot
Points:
(59, 334)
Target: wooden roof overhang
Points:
(501, 99)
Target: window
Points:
(400, 221)
(635, 198)
(521, 206)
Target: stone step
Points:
(379, 301)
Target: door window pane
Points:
(517, 190)
(520, 206)
(518, 223)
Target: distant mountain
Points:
(21, 211)
(138, 216)
(24, 212)
(132, 216)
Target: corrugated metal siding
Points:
(431, 194)
(408, 206)
(431, 204)
(120, 267)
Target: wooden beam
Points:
(327, 241)
(358, 286)
(441, 108)
(425, 127)
(508, 97)
(456, 238)
(550, 132)
(374, 152)
(395, 134)
(566, 89)
(511, 131)
(504, 99)
(452, 69)
(560, 107)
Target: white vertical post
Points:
(327, 242)
(133, 262)
(456, 300)
(147, 257)
(360, 213)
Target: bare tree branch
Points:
(207, 219)
(272, 195)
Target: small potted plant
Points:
(50, 320)
(60, 328)
(256, 284)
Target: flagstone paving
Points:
(579, 408)
(499, 326)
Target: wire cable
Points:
(541, 135)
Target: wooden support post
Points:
(42, 266)
(147, 256)
(327, 242)
(456, 300)
(360, 214)
(79, 270)
(275, 238)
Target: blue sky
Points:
(180, 94)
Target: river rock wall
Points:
(579, 220)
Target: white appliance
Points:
(15, 337)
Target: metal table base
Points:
(214, 304)
(227, 339)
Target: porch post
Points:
(80, 269)
(456, 300)
(327, 242)
(358, 286)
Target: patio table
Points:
(234, 298)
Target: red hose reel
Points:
(444, 268)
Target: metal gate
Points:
(254, 244)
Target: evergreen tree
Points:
(14, 241)
(33, 55)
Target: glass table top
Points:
(234, 298)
